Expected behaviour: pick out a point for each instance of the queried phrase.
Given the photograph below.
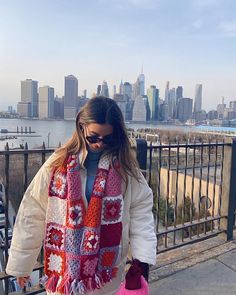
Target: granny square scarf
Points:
(81, 246)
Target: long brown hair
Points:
(101, 110)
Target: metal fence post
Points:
(229, 190)
(142, 154)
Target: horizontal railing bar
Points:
(25, 151)
(190, 145)
(192, 241)
(189, 224)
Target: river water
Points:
(53, 132)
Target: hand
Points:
(22, 281)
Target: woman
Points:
(88, 203)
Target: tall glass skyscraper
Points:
(29, 96)
(70, 97)
(153, 96)
(198, 98)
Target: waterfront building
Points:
(166, 99)
(29, 99)
(139, 86)
(59, 107)
(70, 97)
(152, 98)
(114, 90)
(232, 105)
(198, 98)
(99, 88)
(178, 95)
(139, 109)
(121, 102)
(212, 115)
(185, 106)
(104, 89)
(81, 101)
(121, 89)
(127, 89)
(141, 79)
(171, 103)
(46, 102)
(220, 109)
(85, 93)
(163, 111)
(24, 109)
(200, 116)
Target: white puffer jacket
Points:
(29, 229)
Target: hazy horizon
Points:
(184, 42)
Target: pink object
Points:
(143, 291)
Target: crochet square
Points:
(104, 162)
(58, 186)
(54, 262)
(93, 215)
(89, 266)
(55, 237)
(73, 240)
(112, 208)
(110, 235)
(75, 214)
(73, 264)
(74, 185)
(57, 210)
(100, 182)
(73, 163)
(107, 257)
(90, 241)
(113, 184)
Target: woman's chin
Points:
(95, 150)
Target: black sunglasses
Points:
(108, 139)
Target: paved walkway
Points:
(216, 275)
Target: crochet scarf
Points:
(81, 246)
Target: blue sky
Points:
(183, 41)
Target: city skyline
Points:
(184, 42)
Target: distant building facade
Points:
(46, 102)
(70, 97)
(153, 95)
(139, 109)
(185, 106)
(28, 107)
(198, 98)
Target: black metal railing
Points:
(187, 180)
(193, 186)
(17, 165)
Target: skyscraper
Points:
(70, 97)
(105, 89)
(167, 92)
(46, 102)
(198, 98)
(29, 98)
(141, 79)
(139, 109)
(127, 90)
(99, 88)
(185, 106)
(171, 103)
(153, 95)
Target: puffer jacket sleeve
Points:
(143, 239)
(29, 228)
